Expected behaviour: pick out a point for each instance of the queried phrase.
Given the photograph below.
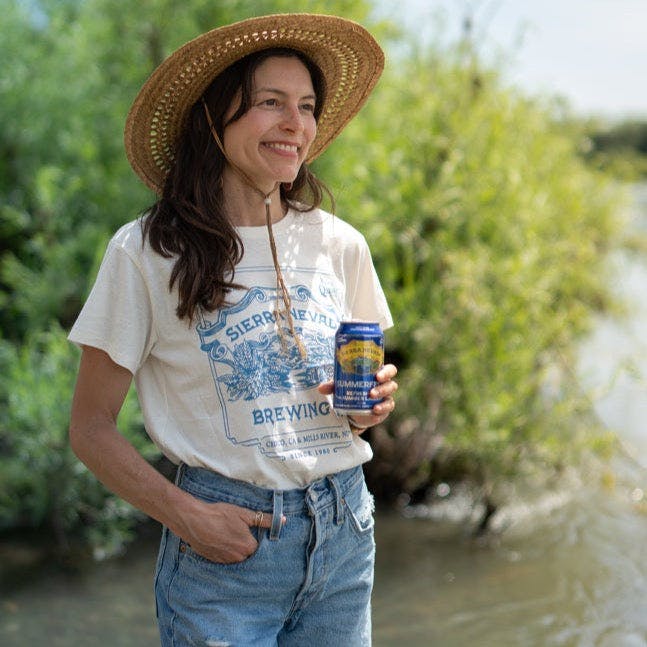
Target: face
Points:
(272, 139)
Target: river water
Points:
(567, 569)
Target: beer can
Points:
(359, 355)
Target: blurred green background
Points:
(492, 217)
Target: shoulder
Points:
(130, 241)
(129, 237)
(333, 228)
(128, 247)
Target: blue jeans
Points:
(308, 583)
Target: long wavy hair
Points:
(188, 221)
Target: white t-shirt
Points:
(222, 392)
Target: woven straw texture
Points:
(349, 57)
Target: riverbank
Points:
(566, 572)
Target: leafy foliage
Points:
(619, 147)
(42, 484)
(491, 237)
(489, 233)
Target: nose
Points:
(292, 118)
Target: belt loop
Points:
(339, 501)
(179, 473)
(277, 514)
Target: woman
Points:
(223, 302)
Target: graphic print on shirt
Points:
(266, 390)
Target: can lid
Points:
(365, 322)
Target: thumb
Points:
(326, 388)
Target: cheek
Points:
(311, 131)
(239, 137)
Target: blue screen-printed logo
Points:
(267, 362)
(258, 374)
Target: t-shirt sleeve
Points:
(367, 299)
(117, 316)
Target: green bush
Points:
(42, 483)
(492, 239)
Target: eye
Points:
(308, 107)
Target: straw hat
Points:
(348, 56)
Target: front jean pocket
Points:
(187, 552)
(360, 508)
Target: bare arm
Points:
(218, 531)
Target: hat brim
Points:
(349, 57)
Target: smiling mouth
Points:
(287, 148)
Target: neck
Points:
(245, 205)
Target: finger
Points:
(257, 519)
(386, 373)
(260, 519)
(384, 390)
(384, 408)
(326, 388)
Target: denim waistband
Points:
(328, 490)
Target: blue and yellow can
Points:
(359, 355)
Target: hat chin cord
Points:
(281, 289)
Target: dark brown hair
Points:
(188, 221)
